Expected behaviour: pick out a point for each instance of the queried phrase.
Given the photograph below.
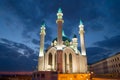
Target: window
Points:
(117, 58)
(65, 62)
(70, 62)
(119, 64)
(55, 59)
(50, 59)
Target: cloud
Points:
(110, 43)
(36, 42)
(95, 54)
(16, 56)
(49, 33)
(47, 45)
(104, 49)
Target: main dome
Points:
(65, 41)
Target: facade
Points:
(109, 65)
(63, 56)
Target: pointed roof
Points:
(81, 23)
(59, 10)
(43, 24)
(74, 36)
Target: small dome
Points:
(74, 36)
(64, 38)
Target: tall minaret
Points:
(41, 52)
(81, 32)
(83, 62)
(42, 36)
(59, 21)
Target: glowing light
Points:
(59, 47)
(81, 23)
(63, 34)
(59, 10)
(43, 24)
(71, 77)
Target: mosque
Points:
(62, 59)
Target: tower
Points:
(59, 21)
(83, 62)
(41, 52)
(81, 32)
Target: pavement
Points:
(103, 79)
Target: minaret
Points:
(42, 36)
(81, 32)
(59, 21)
(41, 52)
(83, 62)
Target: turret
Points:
(42, 36)
(81, 32)
(41, 63)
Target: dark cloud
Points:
(36, 42)
(114, 10)
(105, 48)
(49, 33)
(94, 27)
(96, 53)
(16, 57)
(110, 43)
(47, 45)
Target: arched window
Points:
(65, 62)
(55, 60)
(70, 62)
(50, 59)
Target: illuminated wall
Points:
(73, 76)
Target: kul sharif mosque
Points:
(63, 55)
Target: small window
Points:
(118, 58)
(50, 59)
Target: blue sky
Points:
(20, 22)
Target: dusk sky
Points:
(20, 22)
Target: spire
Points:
(81, 32)
(81, 23)
(74, 36)
(59, 10)
(60, 15)
(43, 28)
(43, 24)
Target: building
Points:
(62, 58)
(15, 75)
(110, 65)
